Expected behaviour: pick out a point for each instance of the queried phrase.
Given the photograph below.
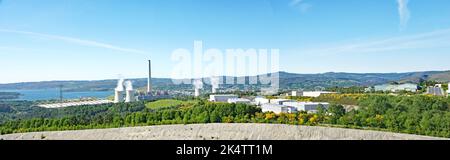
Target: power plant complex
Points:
(130, 94)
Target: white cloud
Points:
(77, 41)
(404, 13)
(301, 5)
(435, 39)
(295, 2)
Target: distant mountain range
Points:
(287, 81)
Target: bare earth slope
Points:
(218, 132)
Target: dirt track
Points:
(218, 132)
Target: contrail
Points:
(77, 41)
(404, 13)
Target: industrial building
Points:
(260, 101)
(308, 93)
(307, 106)
(313, 93)
(73, 104)
(297, 93)
(222, 98)
(410, 87)
(239, 100)
(280, 101)
(435, 91)
(277, 109)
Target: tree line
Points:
(418, 114)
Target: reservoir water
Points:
(52, 94)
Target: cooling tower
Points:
(198, 84)
(129, 92)
(118, 94)
(130, 96)
(215, 84)
(197, 92)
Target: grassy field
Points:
(167, 103)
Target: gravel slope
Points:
(218, 132)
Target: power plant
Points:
(149, 96)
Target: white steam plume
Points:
(215, 81)
(120, 85)
(198, 84)
(129, 85)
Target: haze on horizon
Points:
(93, 40)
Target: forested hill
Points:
(333, 79)
(287, 80)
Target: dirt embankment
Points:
(218, 132)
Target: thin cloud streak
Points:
(11, 48)
(77, 41)
(404, 13)
(301, 5)
(440, 38)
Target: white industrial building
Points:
(277, 109)
(261, 100)
(73, 104)
(307, 106)
(313, 93)
(297, 93)
(280, 101)
(435, 91)
(222, 98)
(397, 87)
(239, 100)
(308, 93)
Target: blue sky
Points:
(100, 39)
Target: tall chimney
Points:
(149, 83)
